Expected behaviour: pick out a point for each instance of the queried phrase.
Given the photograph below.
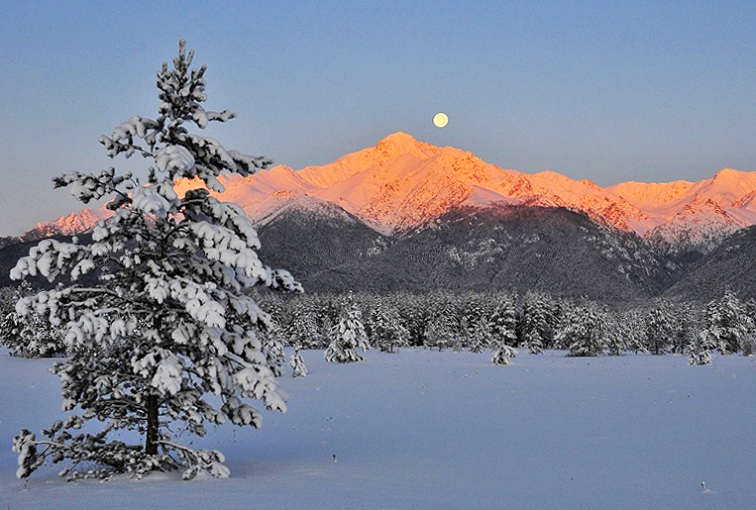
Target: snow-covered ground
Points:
(422, 429)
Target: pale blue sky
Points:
(609, 91)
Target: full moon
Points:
(440, 119)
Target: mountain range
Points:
(409, 215)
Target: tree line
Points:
(533, 321)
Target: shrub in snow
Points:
(30, 335)
(347, 335)
(169, 319)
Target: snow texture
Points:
(428, 430)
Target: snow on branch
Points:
(165, 316)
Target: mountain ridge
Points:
(401, 184)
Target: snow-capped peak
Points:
(402, 183)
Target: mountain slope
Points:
(307, 243)
(732, 265)
(508, 247)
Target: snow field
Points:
(423, 429)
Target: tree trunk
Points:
(151, 441)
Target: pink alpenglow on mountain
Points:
(402, 184)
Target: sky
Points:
(651, 91)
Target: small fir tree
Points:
(632, 329)
(615, 338)
(297, 364)
(503, 355)
(347, 335)
(169, 318)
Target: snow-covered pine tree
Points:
(535, 327)
(699, 349)
(347, 335)
(301, 327)
(169, 319)
(440, 331)
(415, 312)
(585, 333)
(386, 329)
(503, 322)
(273, 347)
(297, 364)
(503, 325)
(473, 323)
(630, 325)
(615, 338)
(31, 335)
(728, 322)
(465, 336)
(660, 327)
(503, 354)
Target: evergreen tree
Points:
(586, 333)
(386, 329)
(535, 329)
(614, 335)
(301, 327)
(465, 336)
(298, 365)
(728, 322)
(632, 328)
(30, 335)
(273, 347)
(480, 335)
(503, 322)
(660, 327)
(347, 335)
(169, 318)
(414, 312)
(441, 332)
(699, 350)
(503, 354)
(503, 327)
